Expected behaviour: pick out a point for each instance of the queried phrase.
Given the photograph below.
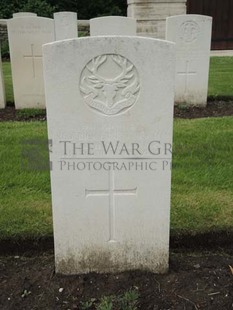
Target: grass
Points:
(202, 187)
(30, 113)
(220, 78)
(25, 203)
(6, 66)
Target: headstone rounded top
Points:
(113, 25)
(24, 14)
(116, 39)
(27, 20)
(66, 25)
(189, 28)
(191, 17)
(64, 13)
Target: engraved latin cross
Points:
(187, 73)
(33, 57)
(111, 192)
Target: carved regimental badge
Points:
(110, 84)
(189, 31)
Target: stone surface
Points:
(2, 86)
(83, 27)
(113, 25)
(151, 15)
(110, 115)
(24, 14)
(26, 37)
(66, 25)
(192, 35)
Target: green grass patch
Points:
(8, 82)
(202, 187)
(25, 203)
(221, 77)
(30, 113)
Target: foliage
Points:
(127, 301)
(5, 50)
(106, 303)
(8, 8)
(41, 7)
(92, 8)
(86, 9)
(85, 305)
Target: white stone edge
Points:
(81, 22)
(113, 17)
(189, 15)
(96, 38)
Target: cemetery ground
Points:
(200, 276)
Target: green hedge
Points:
(85, 9)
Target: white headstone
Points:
(66, 25)
(24, 14)
(2, 86)
(192, 35)
(26, 37)
(110, 115)
(113, 25)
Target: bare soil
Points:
(214, 108)
(196, 280)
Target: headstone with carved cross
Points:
(192, 35)
(113, 25)
(26, 35)
(2, 86)
(110, 115)
(23, 14)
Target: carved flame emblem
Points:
(110, 84)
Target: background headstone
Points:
(110, 208)
(113, 25)
(24, 14)
(66, 25)
(192, 35)
(26, 37)
(2, 86)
